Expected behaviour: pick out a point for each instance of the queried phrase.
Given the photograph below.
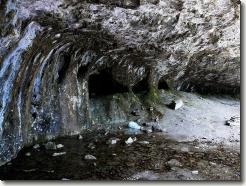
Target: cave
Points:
(120, 90)
(65, 61)
(141, 86)
(163, 85)
(102, 84)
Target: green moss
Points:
(153, 95)
(121, 101)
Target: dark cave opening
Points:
(102, 84)
(141, 86)
(82, 71)
(65, 61)
(163, 85)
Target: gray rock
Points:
(89, 157)
(113, 141)
(195, 172)
(50, 146)
(91, 146)
(176, 104)
(133, 125)
(233, 121)
(28, 154)
(65, 179)
(58, 154)
(144, 142)
(36, 146)
(30, 170)
(59, 146)
(212, 163)
(146, 129)
(157, 128)
(174, 163)
(80, 137)
(130, 140)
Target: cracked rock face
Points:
(57, 58)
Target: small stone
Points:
(130, 140)
(80, 137)
(59, 146)
(151, 108)
(50, 146)
(133, 125)
(65, 179)
(233, 121)
(228, 123)
(58, 35)
(28, 154)
(89, 157)
(29, 170)
(176, 104)
(174, 163)
(156, 119)
(113, 141)
(174, 168)
(58, 154)
(50, 171)
(157, 128)
(146, 130)
(212, 163)
(76, 25)
(91, 146)
(36, 146)
(114, 154)
(144, 142)
(194, 172)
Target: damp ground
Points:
(150, 157)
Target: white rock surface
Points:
(89, 157)
(58, 154)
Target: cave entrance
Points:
(102, 84)
(163, 85)
(141, 86)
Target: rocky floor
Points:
(200, 141)
(104, 157)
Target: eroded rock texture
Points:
(58, 58)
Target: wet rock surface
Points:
(159, 159)
(70, 66)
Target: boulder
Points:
(176, 104)
(50, 146)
